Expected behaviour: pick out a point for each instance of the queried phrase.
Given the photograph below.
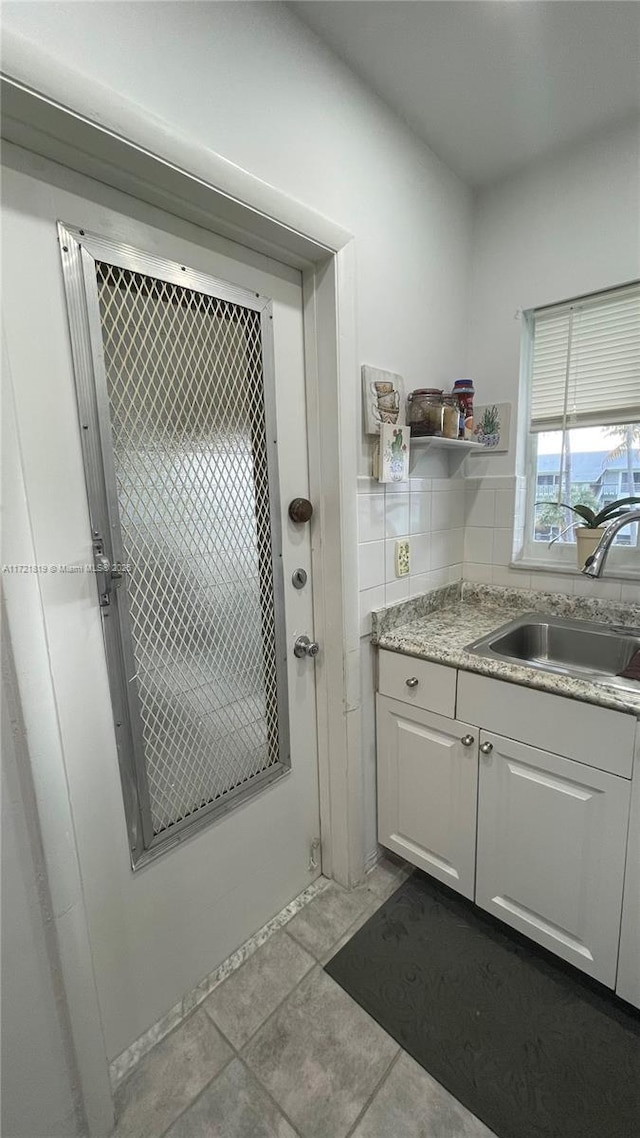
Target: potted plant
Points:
(588, 533)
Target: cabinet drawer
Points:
(434, 691)
(597, 736)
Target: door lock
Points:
(305, 647)
(299, 578)
(108, 576)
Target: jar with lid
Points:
(450, 417)
(464, 391)
(425, 411)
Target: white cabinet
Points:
(427, 791)
(628, 982)
(551, 851)
(537, 838)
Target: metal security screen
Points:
(188, 481)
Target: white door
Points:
(242, 707)
(427, 790)
(551, 849)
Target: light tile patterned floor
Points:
(279, 1050)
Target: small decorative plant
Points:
(587, 535)
(591, 519)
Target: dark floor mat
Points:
(524, 1042)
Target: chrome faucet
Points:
(594, 564)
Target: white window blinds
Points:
(586, 362)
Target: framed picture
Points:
(383, 398)
(491, 427)
(391, 462)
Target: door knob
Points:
(305, 647)
(486, 748)
(467, 740)
(300, 510)
(412, 682)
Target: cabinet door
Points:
(551, 849)
(628, 983)
(427, 791)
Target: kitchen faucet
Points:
(594, 564)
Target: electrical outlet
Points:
(402, 558)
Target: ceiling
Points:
(491, 85)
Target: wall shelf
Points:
(456, 450)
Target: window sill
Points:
(529, 565)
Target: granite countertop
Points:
(438, 625)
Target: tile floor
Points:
(279, 1050)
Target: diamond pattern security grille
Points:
(186, 396)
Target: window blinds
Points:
(586, 362)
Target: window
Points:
(584, 424)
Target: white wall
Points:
(252, 83)
(39, 1092)
(564, 227)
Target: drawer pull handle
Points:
(467, 740)
(486, 748)
(412, 682)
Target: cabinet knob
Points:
(467, 740)
(412, 682)
(486, 748)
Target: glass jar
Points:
(426, 410)
(450, 417)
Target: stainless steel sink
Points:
(579, 648)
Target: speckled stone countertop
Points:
(437, 626)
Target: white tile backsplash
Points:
(477, 572)
(505, 508)
(371, 564)
(397, 515)
(397, 590)
(551, 582)
(420, 513)
(455, 528)
(502, 546)
(503, 575)
(446, 548)
(370, 599)
(478, 544)
(447, 509)
(420, 553)
(370, 517)
(480, 506)
(418, 583)
(605, 590)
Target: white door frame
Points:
(99, 134)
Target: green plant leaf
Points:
(613, 510)
(586, 513)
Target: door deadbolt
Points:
(299, 578)
(305, 647)
(300, 510)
